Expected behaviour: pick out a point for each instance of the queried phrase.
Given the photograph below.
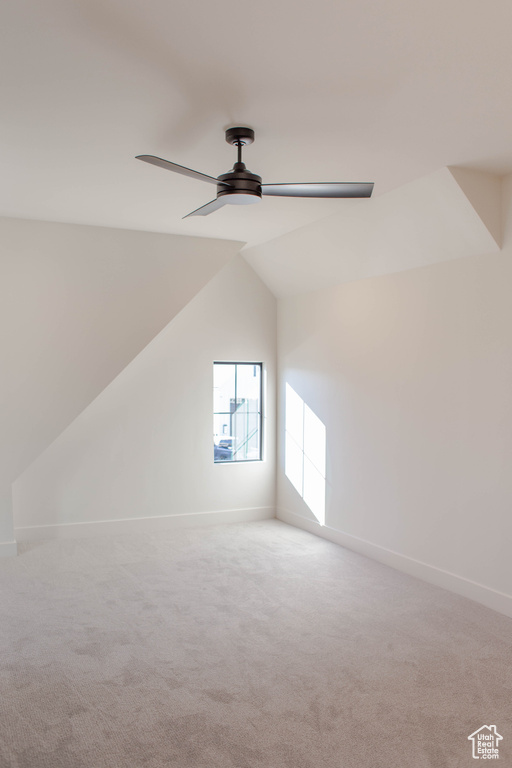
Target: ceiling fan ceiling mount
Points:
(240, 186)
(240, 135)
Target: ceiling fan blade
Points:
(204, 210)
(348, 189)
(179, 169)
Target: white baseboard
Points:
(8, 549)
(132, 525)
(498, 601)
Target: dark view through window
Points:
(237, 412)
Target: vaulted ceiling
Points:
(377, 90)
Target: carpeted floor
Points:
(242, 646)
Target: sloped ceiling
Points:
(446, 215)
(386, 91)
(77, 304)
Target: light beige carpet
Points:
(242, 646)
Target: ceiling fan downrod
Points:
(239, 137)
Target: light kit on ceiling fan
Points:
(241, 187)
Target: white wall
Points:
(77, 303)
(144, 447)
(412, 376)
(8, 546)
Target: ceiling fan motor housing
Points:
(241, 182)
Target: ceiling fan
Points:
(239, 186)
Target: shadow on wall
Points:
(305, 451)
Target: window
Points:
(237, 411)
(305, 441)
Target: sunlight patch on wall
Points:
(305, 441)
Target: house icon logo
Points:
(485, 743)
